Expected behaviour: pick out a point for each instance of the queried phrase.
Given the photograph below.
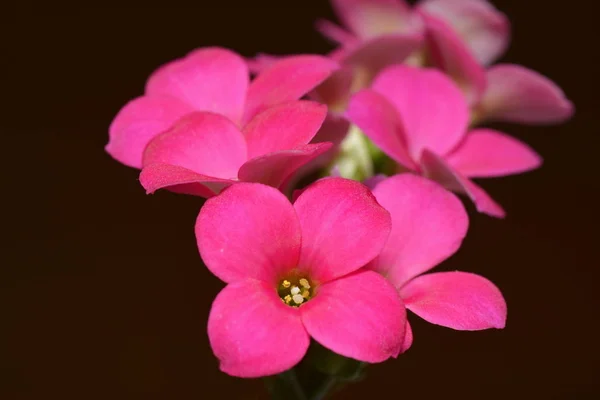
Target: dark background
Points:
(103, 294)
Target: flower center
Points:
(295, 291)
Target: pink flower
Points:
(461, 37)
(209, 79)
(419, 118)
(428, 226)
(292, 273)
(456, 36)
(205, 152)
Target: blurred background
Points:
(103, 293)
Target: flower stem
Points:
(286, 386)
(324, 388)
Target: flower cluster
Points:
(386, 127)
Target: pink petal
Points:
(249, 231)
(438, 170)
(379, 120)
(429, 224)
(335, 33)
(274, 169)
(377, 53)
(253, 333)
(408, 338)
(334, 130)
(375, 180)
(284, 127)
(288, 79)
(203, 142)
(138, 122)
(343, 228)
(449, 53)
(210, 79)
(370, 18)
(457, 300)
(518, 94)
(489, 153)
(181, 180)
(415, 93)
(484, 29)
(261, 61)
(360, 316)
(335, 90)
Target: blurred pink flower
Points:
(428, 226)
(461, 37)
(209, 79)
(205, 152)
(457, 36)
(292, 273)
(419, 118)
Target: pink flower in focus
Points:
(292, 273)
(209, 79)
(205, 152)
(428, 226)
(419, 118)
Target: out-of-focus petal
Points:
(370, 18)
(485, 30)
(210, 79)
(253, 333)
(438, 170)
(343, 228)
(249, 231)
(373, 55)
(379, 120)
(457, 300)
(518, 94)
(335, 33)
(360, 316)
(489, 153)
(450, 54)
(417, 93)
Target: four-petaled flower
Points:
(292, 273)
(203, 153)
(419, 118)
(459, 37)
(210, 79)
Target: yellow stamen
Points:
(286, 284)
(304, 283)
(287, 299)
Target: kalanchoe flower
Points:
(428, 226)
(419, 118)
(459, 36)
(292, 273)
(205, 152)
(209, 79)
